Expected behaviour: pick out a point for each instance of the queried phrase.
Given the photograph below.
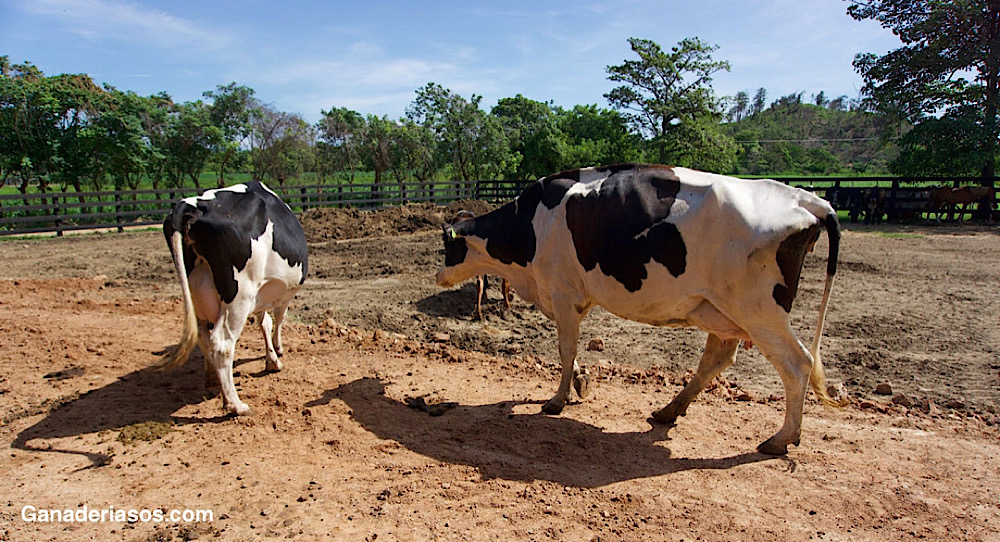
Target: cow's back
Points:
(666, 235)
(226, 227)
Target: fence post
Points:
(119, 219)
(55, 211)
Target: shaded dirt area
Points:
(400, 416)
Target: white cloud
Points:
(119, 20)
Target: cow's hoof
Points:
(771, 447)
(581, 383)
(273, 366)
(239, 409)
(666, 415)
(553, 407)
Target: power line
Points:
(814, 140)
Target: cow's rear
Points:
(237, 251)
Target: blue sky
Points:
(371, 56)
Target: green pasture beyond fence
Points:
(59, 212)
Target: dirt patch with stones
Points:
(400, 416)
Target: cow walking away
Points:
(669, 247)
(238, 251)
(482, 282)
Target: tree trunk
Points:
(984, 206)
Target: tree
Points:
(126, 148)
(231, 110)
(943, 43)
(662, 90)
(156, 123)
(702, 145)
(821, 99)
(594, 136)
(759, 101)
(741, 105)
(340, 132)
(29, 119)
(413, 153)
(949, 146)
(376, 143)
(191, 138)
(280, 144)
(469, 141)
(531, 129)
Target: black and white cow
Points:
(237, 251)
(665, 246)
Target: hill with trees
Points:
(820, 137)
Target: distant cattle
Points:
(906, 203)
(482, 281)
(237, 251)
(949, 200)
(851, 199)
(874, 204)
(668, 247)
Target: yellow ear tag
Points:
(452, 234)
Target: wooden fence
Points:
(67, 211)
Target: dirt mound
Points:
(328, 224)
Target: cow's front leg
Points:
(568, 326)
(271, 361)
(718, 355)
(480, 289)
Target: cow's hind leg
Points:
(204, 343)
(718, 355)
(794, 365)
(223, 339)
(279, 318)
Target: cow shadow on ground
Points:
(460, 303)
(523, 447)
(454, 303)
(146, 395)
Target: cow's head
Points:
(500, 242)
(462, 255)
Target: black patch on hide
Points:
(220, 230)
(791, 253)
(622, 226)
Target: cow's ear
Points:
(191, 215)
(449, 232)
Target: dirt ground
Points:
(401, 416)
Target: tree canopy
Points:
(669, 96)
(65, 130)
(948, 69)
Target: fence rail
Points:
(68, 211)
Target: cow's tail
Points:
(178, 354)
(817, 378)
